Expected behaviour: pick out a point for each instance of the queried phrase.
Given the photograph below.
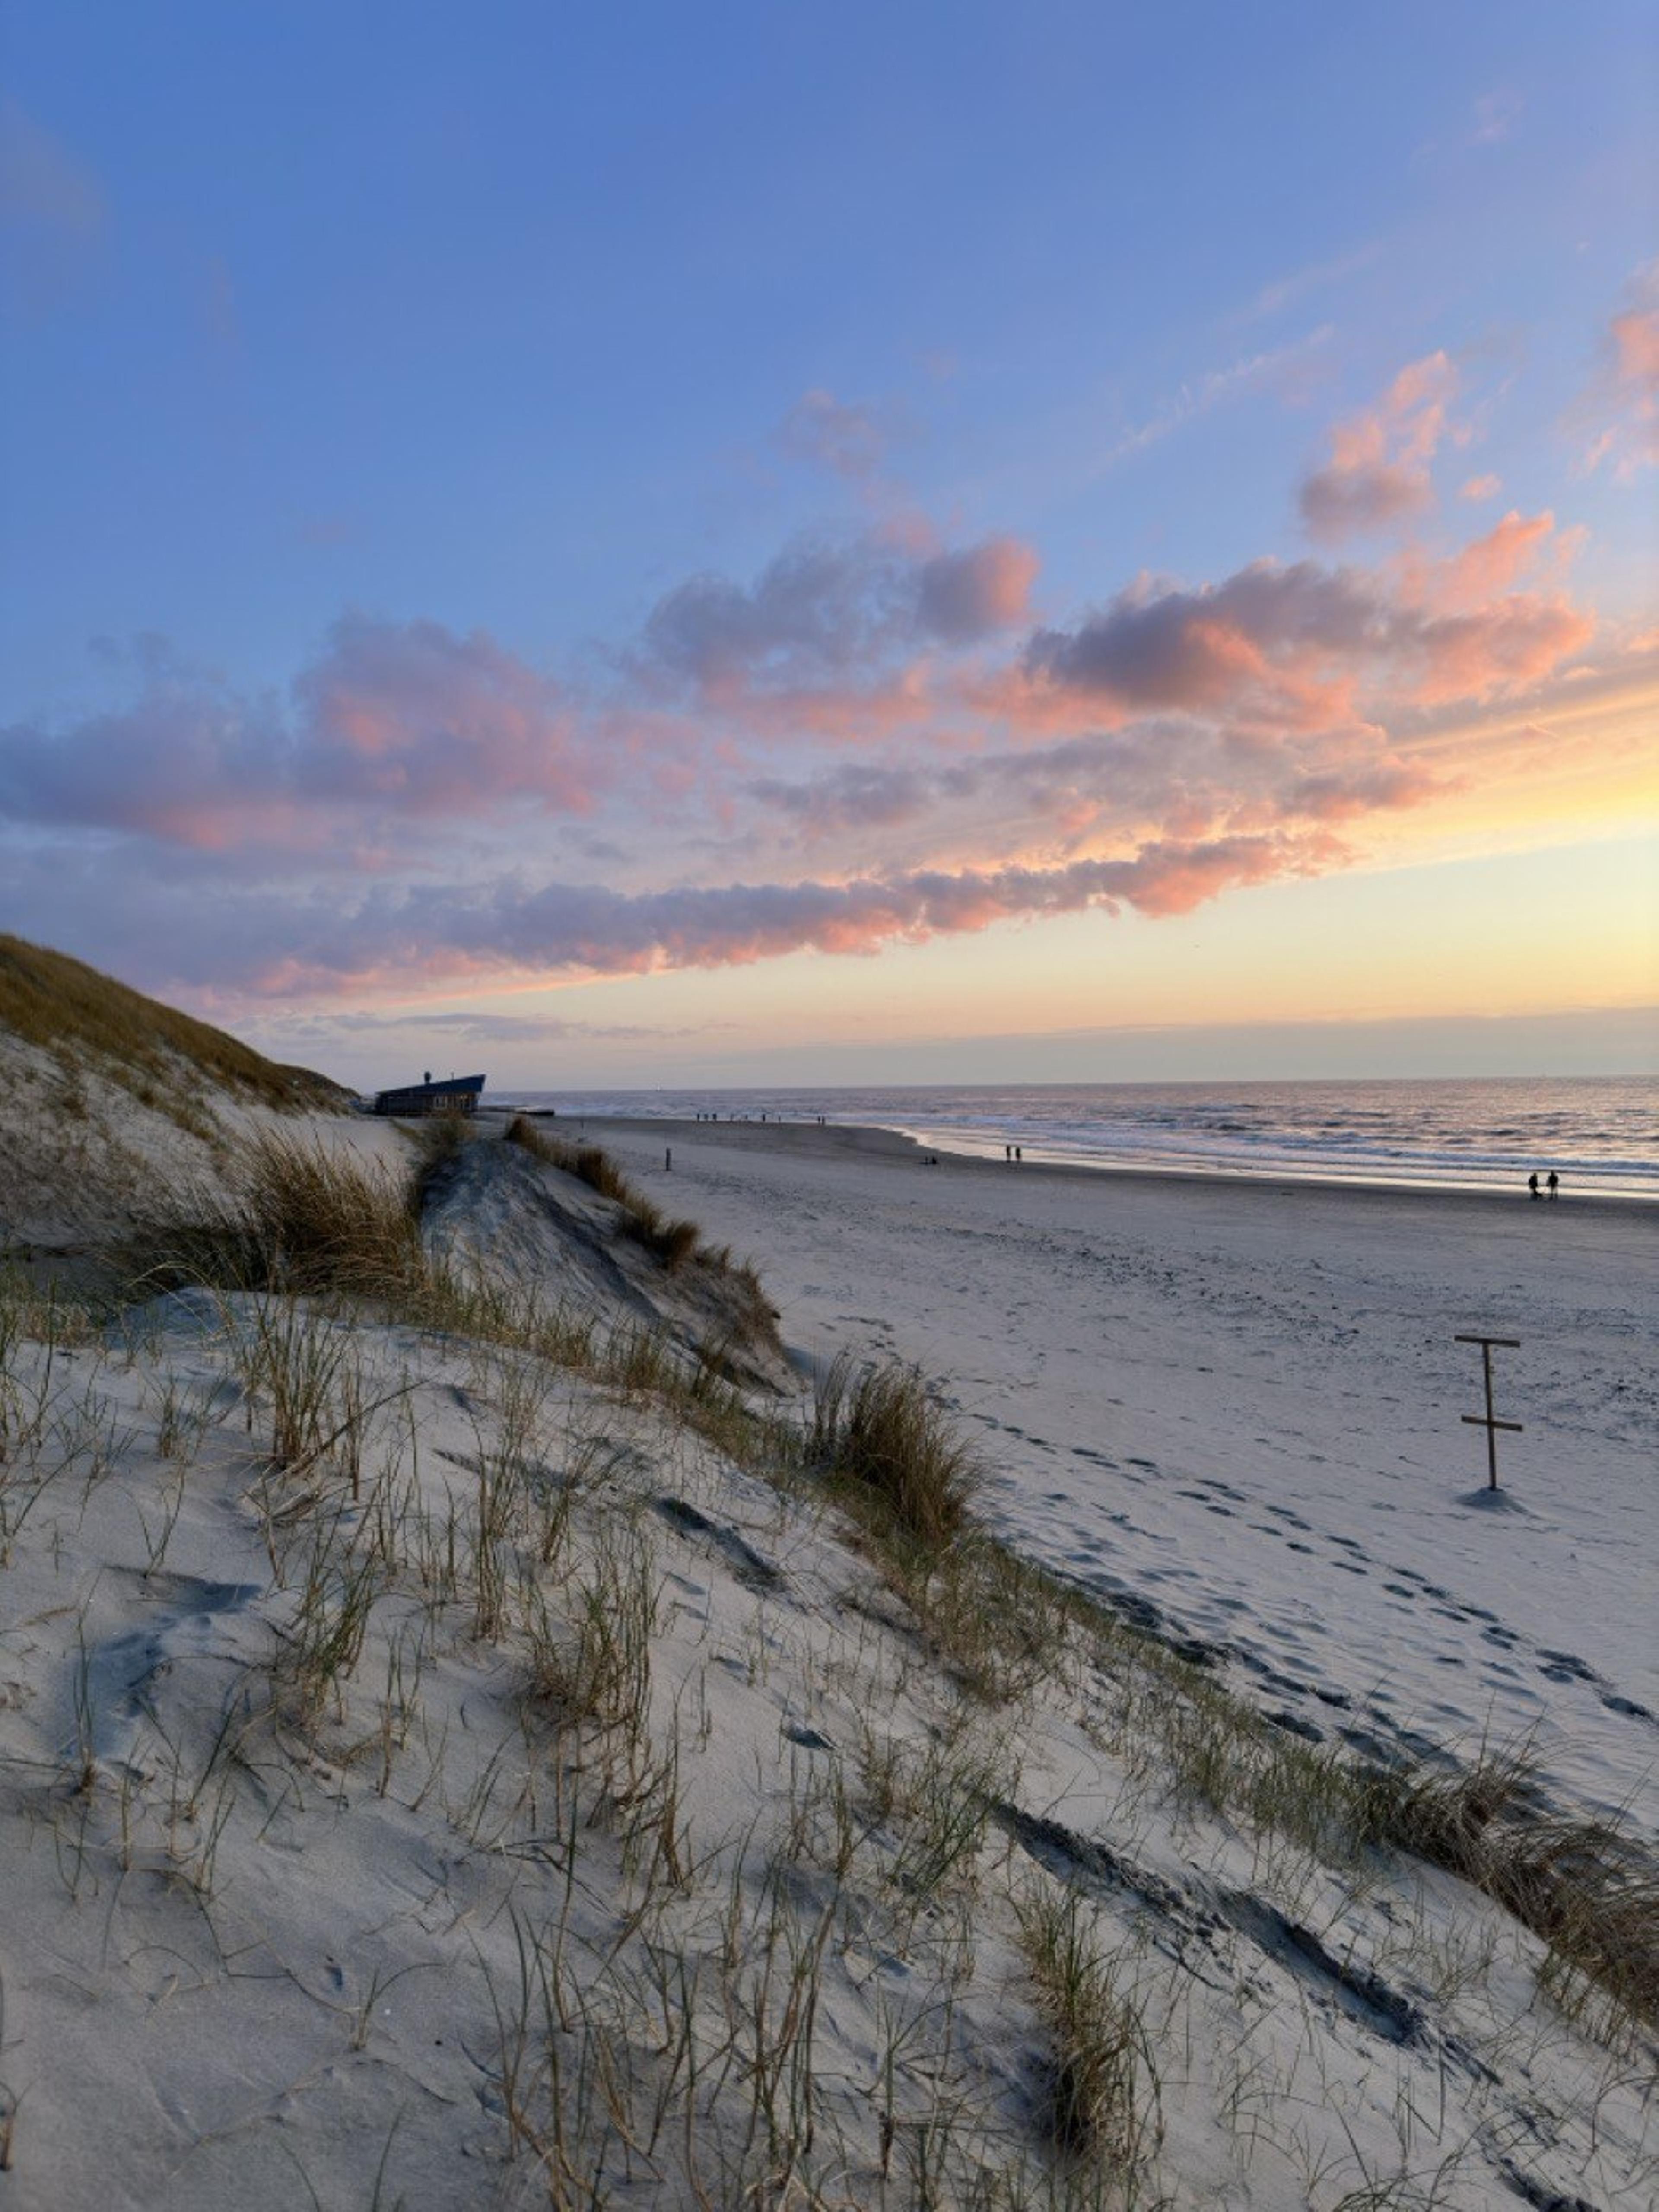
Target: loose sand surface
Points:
(1239, 1404)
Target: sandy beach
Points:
(1238, 1405)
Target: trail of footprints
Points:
(1509, 1655)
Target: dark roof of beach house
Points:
(457, 1095)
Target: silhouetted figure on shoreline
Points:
(1554, 1183)
(1532, 1183)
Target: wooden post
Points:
(668, 1160)
(1489, 1421)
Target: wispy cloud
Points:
(301, 1032)
(1285, 291)
(1197, 397)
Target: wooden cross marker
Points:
(1489, 1421)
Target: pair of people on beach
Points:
(1553, 1180)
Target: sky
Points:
(758, 543)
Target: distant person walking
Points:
(1554, 1181)
(1532, 1184)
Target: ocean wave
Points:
(1599, 1134)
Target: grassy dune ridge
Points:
(76, 1014)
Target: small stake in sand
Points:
(1489, 1421)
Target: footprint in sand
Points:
(1570, 1664)
(1293, 1725)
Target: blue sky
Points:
(339, 340)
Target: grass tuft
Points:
(1587, 1889)
(307, 1217)
(1099, 2069)
(875, 1429)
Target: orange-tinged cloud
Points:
(1378, 472)
(1491, 564)
(1627, 399)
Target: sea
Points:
(1599, 1134)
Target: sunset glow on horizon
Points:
(643, 552)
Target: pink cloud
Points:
(1636, 346)
(1479, 488)
(412, 715)
(583, 929)
(1628, 395)
(572, 926)
(1379, 470)
(1256, 642)
(398, 721)
(1494, 649)
(1301, 647)
(1491, 564)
